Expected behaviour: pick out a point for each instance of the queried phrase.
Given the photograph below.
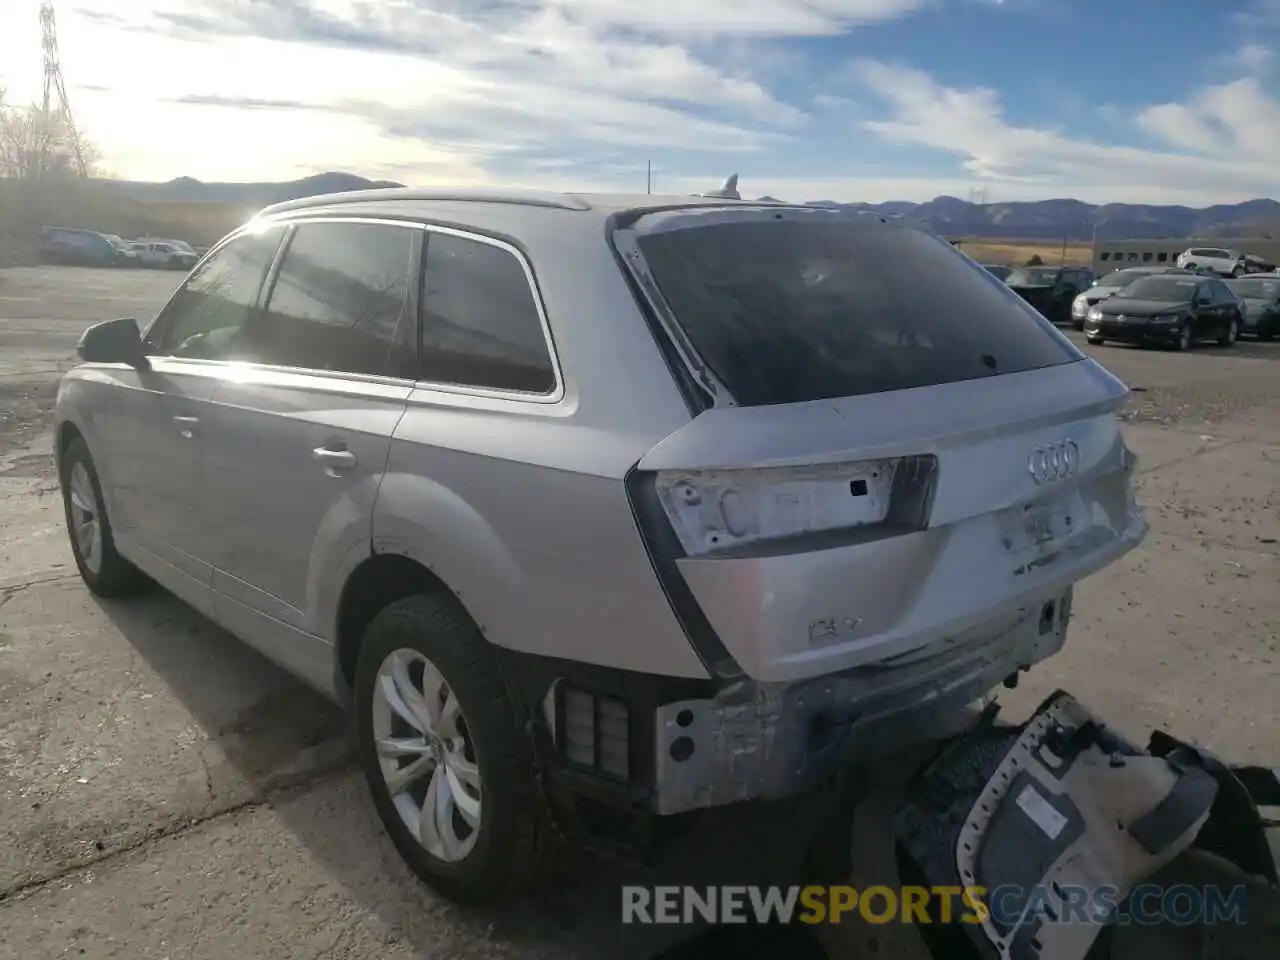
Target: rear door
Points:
(298, 439)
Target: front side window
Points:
(788, 311)
(480, 322)
(340, 301)
(207, 313)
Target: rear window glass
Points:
(784, 311)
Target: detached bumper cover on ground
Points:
(1047, 816)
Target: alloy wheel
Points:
(426, 756)
(86, 525)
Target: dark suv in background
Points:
(84, 248)
(1051, 290)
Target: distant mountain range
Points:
(190, 190)
(1050, 220)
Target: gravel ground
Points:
(166, 792)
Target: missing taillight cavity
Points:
(718, 510)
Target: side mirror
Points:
(113, 341)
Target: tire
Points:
(104, 571)
(1238, 272)
(173, 263)
(1192, 266)
(1228, 338)
(1266, 331)
(1077, 325)
(1185, 340)
(510, 848)
(1095, 341)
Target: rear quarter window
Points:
(788, 310)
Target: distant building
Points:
(1111, 255)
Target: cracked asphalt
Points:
(165, 792)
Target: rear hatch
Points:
(894, 453)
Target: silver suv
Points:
(592, 505)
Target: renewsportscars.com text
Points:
(1007, 905)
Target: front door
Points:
(154, 429)
(297, 442)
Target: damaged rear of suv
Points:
(893, 475)
(598, 510)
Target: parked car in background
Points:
(180, 244)
(1111, 282)
(1260, 294)
(394, 438)
(1000, 271)
(1051, 290)
(1176, 309)
(84, 248)
(1256, 264)
(163, 254)
(1222, 261)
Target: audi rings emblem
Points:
(1054, 462)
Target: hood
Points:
(1141, 308)
(1094, 294)
(1256, 307)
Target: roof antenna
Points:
(728, 191)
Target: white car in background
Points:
(166, 254)
(1222, 261)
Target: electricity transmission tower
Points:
(56, 115)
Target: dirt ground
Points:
(165, 792)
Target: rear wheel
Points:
(447, 761)
(1095, 340)
(1238, 271)
(104, 571)
(1229, 335)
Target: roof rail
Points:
(530, 198)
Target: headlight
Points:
(1095, 314)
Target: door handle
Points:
(335, 462)
(187, 426)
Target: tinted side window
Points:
(207, 313)
(480, 322)
(339, 302)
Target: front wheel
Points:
(1095, 340)
(1238, 272)
(1183, 339)
(1229, 335)
(446, 758)
(104, 571)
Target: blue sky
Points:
(1140, 101)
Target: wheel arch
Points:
(377, 582)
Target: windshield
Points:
(787, 311)
(1033, 276)
(1256, 289)
(1173, 289)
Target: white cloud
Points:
(575, 93)
(1236, 126)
